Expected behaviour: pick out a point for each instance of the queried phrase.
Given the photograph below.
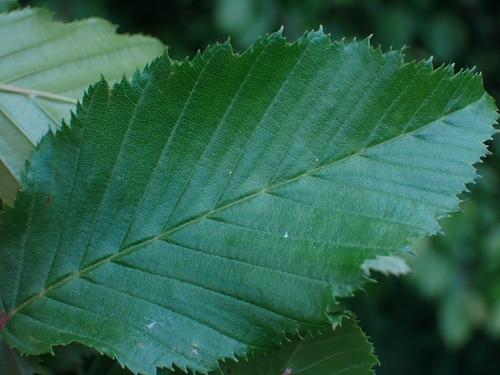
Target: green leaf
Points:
(343, 350)
(12, 363)
(460, 312)
(45, 66)
(8, 5)
(207, 208)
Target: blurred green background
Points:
(444, 318)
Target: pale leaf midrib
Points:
(426, 100)
(36, 93)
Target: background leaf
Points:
(45, 66)
(343, 350)
(206, 208)
(12, 363)
(7, 5)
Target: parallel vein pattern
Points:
(207, 208)
(37, 93)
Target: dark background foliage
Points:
(445, 317)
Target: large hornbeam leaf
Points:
(45, 66)
(208, 208)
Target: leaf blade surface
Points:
(206, 208)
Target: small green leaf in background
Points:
(343, 350)
(45, 66)
(459, 314)
(465, 265)
(209, 208)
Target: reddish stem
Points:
(3, 319)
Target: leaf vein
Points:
(62, 231)
(284, 84)
(207, 146)
(336, 210)
(78, 59)
(183, 314)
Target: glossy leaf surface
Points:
(45, 66)
(207, 208)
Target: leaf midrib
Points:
(36, 93)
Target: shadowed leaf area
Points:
(343, 350)
(205, 209)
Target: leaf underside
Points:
(45, 67)
(207, 208)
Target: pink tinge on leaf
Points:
(287, 371)
(3, 319)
